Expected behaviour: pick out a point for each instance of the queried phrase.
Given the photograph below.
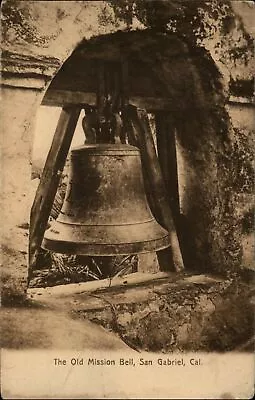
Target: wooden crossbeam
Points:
(60, 98)
(49, 182)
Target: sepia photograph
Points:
(127, 199)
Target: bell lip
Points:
(147, 236)
(105, 148)
(105, 249)
(108, 225)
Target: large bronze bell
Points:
(105, 211)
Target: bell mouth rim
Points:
(104, 148)
(106, 249)
(106, 241)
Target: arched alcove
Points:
(181, 87)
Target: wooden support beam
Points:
(101, 89)
(49, 182)
(115, 87)
(105, 94)
(124, 83)
(72, 289)
(151, 167)
(148, 263)
(166, 145)
(59, 98)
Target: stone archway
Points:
(189, 84)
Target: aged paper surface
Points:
(33, 374)
(48, 354)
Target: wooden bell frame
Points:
(160, 170)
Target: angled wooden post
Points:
(50, 178)
(166, 145)
(152, 170)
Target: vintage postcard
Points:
(127, 199)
